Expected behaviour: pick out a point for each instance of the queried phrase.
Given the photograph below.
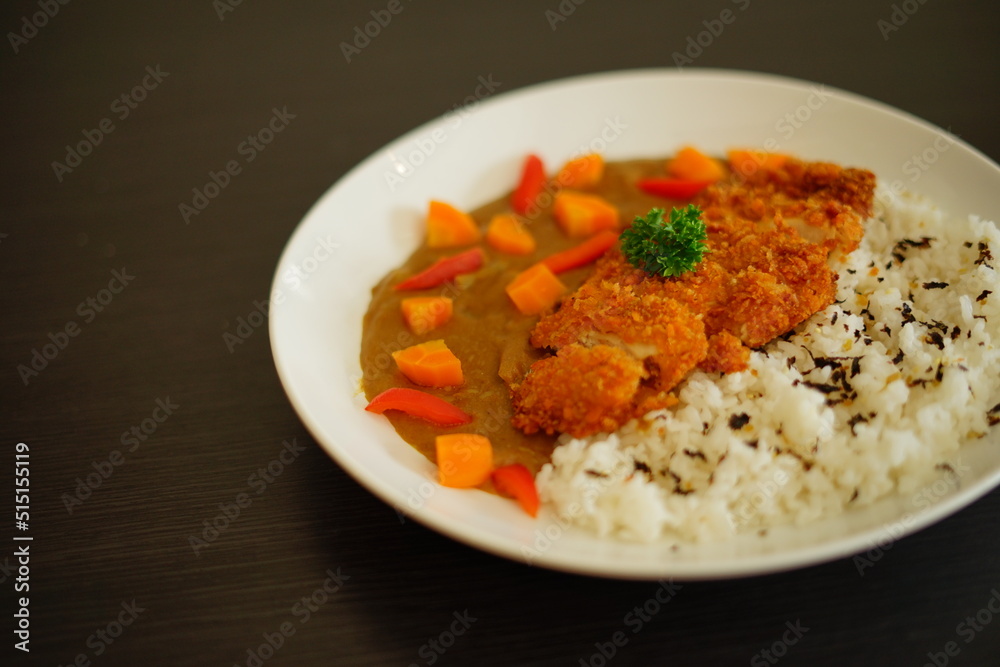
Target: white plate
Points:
(370, 221)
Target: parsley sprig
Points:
(666, 248)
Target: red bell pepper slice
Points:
(585, 253)
(444, 270)
(419, 404)
(516, 480)
(522, 200)
(672, 188)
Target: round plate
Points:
(371, 220)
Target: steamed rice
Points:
(872, 396)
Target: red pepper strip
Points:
(515, 480)
(444, 270)
(522, 200)
(585, 253)
(672, 188)
(419, 404)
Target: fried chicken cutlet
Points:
(625, 338)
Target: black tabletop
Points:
(143, 426)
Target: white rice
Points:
(788, 441)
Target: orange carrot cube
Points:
(692, 165)
(464, 459)
(425, 313)
(448, 227)
(580, 214)
(582, 172)
(748, 162)
(430, 364)
(535, 289)
(507, 234)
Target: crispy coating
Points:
(827, 203)
(770, 238)
(551, 400)
(726, 354)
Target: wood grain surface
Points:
(210, 74)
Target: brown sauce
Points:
(486, 331)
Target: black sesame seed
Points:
(821, 387)
(738, 421)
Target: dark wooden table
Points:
(143, 426)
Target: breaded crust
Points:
(770, 238)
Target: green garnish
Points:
(665, 248)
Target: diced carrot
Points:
(430, 364)
(515, 480)
(581, 214)
(507, 234)
(464, 459)
(747, 162)
(585, 253)
(419, 404)
(444, 270)
(424, 313)
(581, 173)
(448, 227)
(672, 188)
(535, 289)
(690, 164)
(523, 199)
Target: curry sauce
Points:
(487, 333)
